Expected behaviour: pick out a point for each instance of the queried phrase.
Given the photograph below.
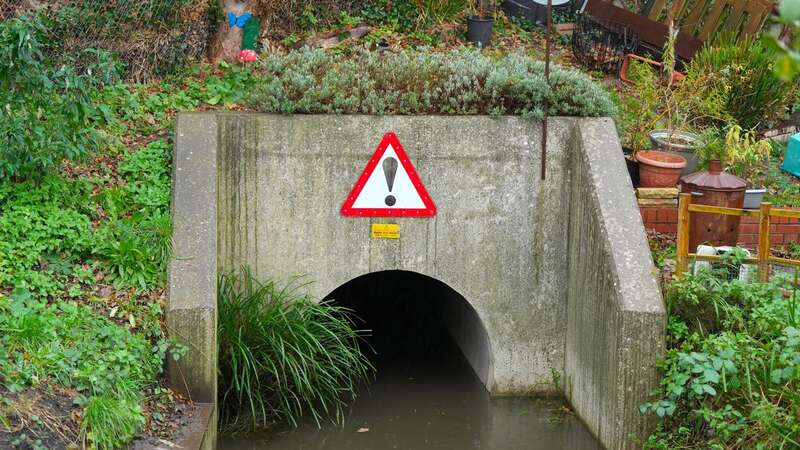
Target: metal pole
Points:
(547, 80)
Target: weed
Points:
(71, 345)
(282, 355)
(732, 371)
(110, 421)
(46, 114)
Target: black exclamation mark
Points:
(389, 171)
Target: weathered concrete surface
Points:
(192, 287)
(615, 315)
(539, 262)
(498, 238)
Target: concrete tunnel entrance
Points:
(417, 320)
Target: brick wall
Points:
(783, 229)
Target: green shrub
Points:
(283, 355)
(732, 370)
(456, 83)
(735, 83)
(136, 249)
(47, 112)
(398, 15)
(147, 173)
(111, 421)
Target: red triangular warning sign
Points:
(389, 186)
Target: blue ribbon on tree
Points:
(240, 21)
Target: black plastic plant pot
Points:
(632, 164)
(479, 30)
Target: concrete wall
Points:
(192, 286)
(615, 316)
(499, 238)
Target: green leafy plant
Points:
(732, 370)
(787, 65)
(741, 152)
(46, 112)
(399, 15)
(283, 355)
(744, 151)
(45, 228)
(712, 147)
(105, 364)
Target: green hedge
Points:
(461, 82)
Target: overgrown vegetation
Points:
(727, 85)
(730, 83)
(47, 113)
(283, 355)
(458, 82)
(107, 366)
(732, 371)
(152, 38)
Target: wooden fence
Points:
(764, 214)
(704, 18)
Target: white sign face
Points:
(389, 186)
(382, 187)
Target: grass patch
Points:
(283, 355)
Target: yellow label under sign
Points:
(385, 231)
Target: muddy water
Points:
(427, 405)
(424, 395)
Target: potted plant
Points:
(742, 154)
(677, 141)
(479, 25)
(659, 168)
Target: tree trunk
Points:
(228, 40)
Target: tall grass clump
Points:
(460, 82)
(283, 355)
(730, 82)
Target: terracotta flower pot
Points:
(659, 169)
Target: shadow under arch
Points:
(414, 316)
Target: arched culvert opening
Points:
(418, 326)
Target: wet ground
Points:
(425, 395)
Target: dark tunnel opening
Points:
(417, 324)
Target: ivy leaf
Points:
(214, 100)
(711, 375)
